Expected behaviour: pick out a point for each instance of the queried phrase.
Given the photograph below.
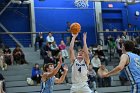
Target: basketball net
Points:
(81, 3)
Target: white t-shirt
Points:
(96, 62)
(79, 72)
(50, 39)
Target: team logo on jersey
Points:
(80, 64)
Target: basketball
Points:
(102, 71)
(75, 28)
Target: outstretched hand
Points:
(84, 35)
(75, 35)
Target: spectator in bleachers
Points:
(2, 84)
(50, 38)
(2, 61)
(49, 58)
(8, 56)
(125, 36)
(62, 48)
(44, 50)
(123, 78)
(48, 77)
(36, 74)
(119, 43)
(111, 45)
(100, 53)
(92, 78)
(19, 56)
(54, 48)
(39, 41)
(95, 62)
(90, 53)
(105, 81)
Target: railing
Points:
(26, 40)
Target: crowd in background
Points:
(50, 52)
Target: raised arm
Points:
(62, 78)
(123, 61)
(71, 50)
(85, 49)
(54, 72)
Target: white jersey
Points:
(79, 72)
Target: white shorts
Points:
(80, 88)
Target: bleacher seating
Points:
(16, 76)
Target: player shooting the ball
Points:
(79, 67)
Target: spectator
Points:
(50, 38)
(92, 78)
(101, 55)
(62, 48)
(19, 56)
(95, 62)
(2, 62)
(106, 81)
(119, 46)
(39, 41)
(36, 74)
(49, 58)
(125, 36)
(2, 84)
(44, 50)
(54, 48)
(90, 53)
(111, 45)
(8, 56)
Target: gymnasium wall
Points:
(52, 15)
(15, 19)
(119, 16)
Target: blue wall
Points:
(114, 18)
(53, 15)
(132, 19)
(117, 18)
(16, 19)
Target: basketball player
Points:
(48, 78)
(79, 67)
(130, 62)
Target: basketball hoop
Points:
(81, 3)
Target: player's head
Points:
(128, 46)
(49, 67)
(80, 53)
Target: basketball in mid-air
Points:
(75, 28)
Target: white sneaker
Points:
(3, 69)
(95, 91)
